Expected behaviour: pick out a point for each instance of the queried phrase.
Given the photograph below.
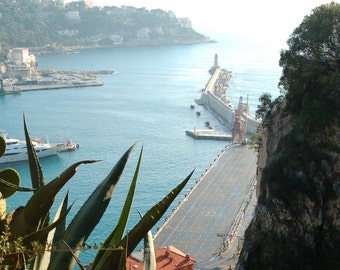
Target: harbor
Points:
(21, 73)
(54, 80)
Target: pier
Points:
(207, 223)
(208, 134)
(214, 99)
(47, 79)
(51, 86)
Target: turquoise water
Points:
(146, 100)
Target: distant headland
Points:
(51, 27)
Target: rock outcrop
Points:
(297, 219)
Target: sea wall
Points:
(251, 123)
(218, 107)
(223, 109)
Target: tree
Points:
(311, 69)
(266, 104)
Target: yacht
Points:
(16, 150)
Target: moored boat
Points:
(69, 146)
(16, 150)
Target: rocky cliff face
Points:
(297, 220)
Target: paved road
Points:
(212, 206)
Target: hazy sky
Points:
(272, 19)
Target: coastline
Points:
(60, 49)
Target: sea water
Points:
(147, 100)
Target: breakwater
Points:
(214, 98)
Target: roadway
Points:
(203, 223)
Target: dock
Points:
(207, 223)
(51, 79)
(208, 134)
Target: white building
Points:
(21, 56)
(21, 63)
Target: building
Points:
(20, 63)
(21, 56)
(167, 258)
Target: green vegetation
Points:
(266, 104)
(25, 24)
(295, 224)
(311, 69)
(28, 240)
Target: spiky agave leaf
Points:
(30, 217)
(38, 237)
(149, 251)
(43, 260)
(37, 175)
(42, 234)
(117, 260)
(88, 217)
(117, 234)
(81, 266)
(61, 228)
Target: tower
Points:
(216, 61)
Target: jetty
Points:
(214, 98)
(208, 134)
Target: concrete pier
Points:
(208, 134)
(207, 223)
(51, 79)
(214, 99)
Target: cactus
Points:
(28, 227)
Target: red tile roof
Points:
(167, 258)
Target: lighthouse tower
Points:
(216, 61)
(215, 66)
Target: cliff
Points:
(296, 224)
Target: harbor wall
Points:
(251, 123)
(224, 111)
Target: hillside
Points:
(24, 24)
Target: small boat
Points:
(192, 107)
(207, 123)
(69, 146)
(16, 150)
(198, 113)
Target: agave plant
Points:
(29, 227)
